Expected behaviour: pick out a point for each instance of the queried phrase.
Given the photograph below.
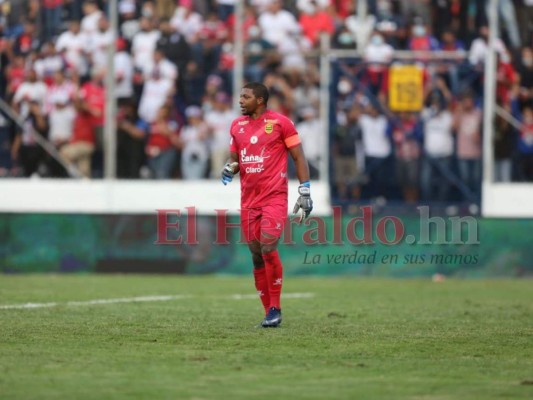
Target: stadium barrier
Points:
(363, 244)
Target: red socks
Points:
(262, 287)
(274, 277)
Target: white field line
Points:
(139, 299)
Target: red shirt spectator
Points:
(313, 24)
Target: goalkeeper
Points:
(259, 144)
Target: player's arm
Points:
(231, 168)
(304, 202)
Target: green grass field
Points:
(353, 339)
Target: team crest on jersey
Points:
(269, 128)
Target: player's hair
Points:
(258, 89)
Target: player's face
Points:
(248, 102)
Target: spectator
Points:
(15, 75)
(525, 71)
(421, 40)
(375, 132)
(467, 124)
(249, 20)
(407, 155)
(52, 14)
(102, 38)
(478, 49)
(131, 134)
(311, 130)
(195, 152)
(360, 28)
(61, 124)
(88, 123)
(277, 24)
(438, 149)
(377, 55)
(314, 21)
(390, 25)
(503, 144)
(72, 44)
(26, 151)
(449, 71)
(525, 16)
(176, 49)
(163, 140)
(166, 69)
(347, 139)
(525, 137)
(91, 18)
(225, 8)
(155, 92)
(506, 77)
(6, 147)
(28, 40)
(306, 93)
(31, 90)
(187, 22)
(123, 72)
(144, 43)
(259, 55)
(48, 63)
(129, 25)
(219, 119)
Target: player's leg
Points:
(260, 277)
(272, 223)
(250, 225)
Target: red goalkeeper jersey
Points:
(262, 147)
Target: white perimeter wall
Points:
(507, 200)
(134, 197)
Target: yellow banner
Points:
(406, 88)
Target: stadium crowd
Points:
(174, 64)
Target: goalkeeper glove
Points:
(304, 201)
(228, 172)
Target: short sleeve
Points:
(232, 144)
(289, 133)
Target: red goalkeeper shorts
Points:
(263, 224)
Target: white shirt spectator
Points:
(277, 27)
(292, 49)
(195, 151)
(45, 67)
(167, 69)
(478, 50)
(124, 75)
(143, 46)
(219, 122)
(27, 92)
(61, 121)
(312, 132)
(89, 23)
(188, 23)
(154, 95)
(376, 143)
(98, 47)
(59, 93)
(379, 53)
(360, 30)
(74, 46)
(438, 138)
